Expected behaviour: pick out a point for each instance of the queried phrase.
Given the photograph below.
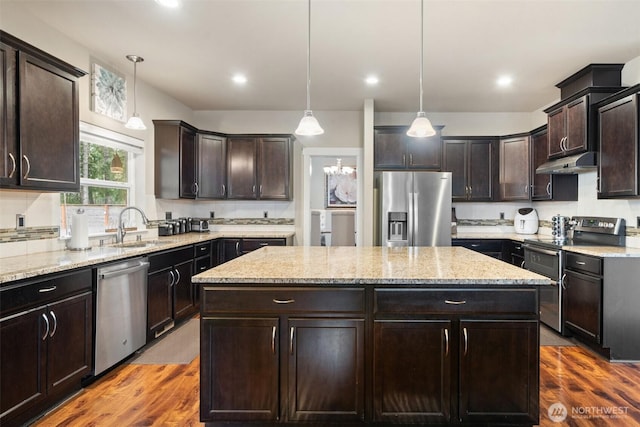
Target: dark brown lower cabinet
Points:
(412, 378)
(498, 371)
(582, 305)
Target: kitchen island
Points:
(369, 336)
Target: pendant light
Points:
(338, 169)
(421, 126)
(308, 124)
(135, 122)
(116, 165)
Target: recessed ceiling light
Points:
(372, 80)
(169, 3)
(504, 81)
(239, 79)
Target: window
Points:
(107, 181)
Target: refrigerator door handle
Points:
(414, 222)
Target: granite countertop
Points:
(36, 264)
(368, 265)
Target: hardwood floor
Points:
(168, 395)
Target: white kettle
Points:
(526, 221)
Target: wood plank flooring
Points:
(168, 395)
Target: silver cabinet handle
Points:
(273, 340)
(26, 159)
(404, 159)
(475, 245)
(173, 278)
(448, 301)
(13, 165)
(562, 281)
(44, 290)
(526, 189)
(291, 334)
(253, 189)
(224, 190)
(203, 268)
(177, 276)
(446, 341)
(549, 188)
(410, 159)
(196, 187)
(261, 189)
(284, 301)
(470, 191)
(203, 248)
(55, 324)
(238, 248)
(581, 263)
(522, 264)
(466, 340)
(46, 322)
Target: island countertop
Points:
(316, 265)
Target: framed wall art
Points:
(108, 92)
(341, 190)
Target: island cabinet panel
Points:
(326, 369)
(412, 378)
(282, 354)
(499, 371)
(239, 369)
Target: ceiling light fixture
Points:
(309, 125)
(421, 126)
(239, 79)
(372, 80)
(135, 122)
(338, 169)
(172, 4)
(504, 81)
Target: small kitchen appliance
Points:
(526, 221)
(199, 225)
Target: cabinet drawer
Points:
(202, 264)
(279, 300)
(36, 292)
(201, 249)
(165, 259)
(583, 263)
(453, 301)
(249, 245)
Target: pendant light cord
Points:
(308, 54)
(135, 78)
(421, 50)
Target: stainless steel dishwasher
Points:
(121, 311)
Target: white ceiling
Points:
(192, 52)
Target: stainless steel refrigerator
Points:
(415, 208)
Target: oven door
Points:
(547, 263)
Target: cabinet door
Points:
(582, 304)
(239, 369)
(576, 127)
(182, 295)
(49, 126)
(318, 393)
(412, 371)
(455, 161)
(241, 168)
(499, 371)
(541, 188)
(231, 248)
(23, 356)
(514, 168)
(618, 169)
(188, 153)
(557, 132)
(389, 149)
(212, 168)
(8, 139)
(424, 153)
(275, 178)
(70, 344)
(159, 300)
(480, 170)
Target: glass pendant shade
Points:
(135, 122)
(309, 125)
(421, 126)
(116, 165)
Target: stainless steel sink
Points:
(141, 244)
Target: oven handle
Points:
(542, 251)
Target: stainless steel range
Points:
(544, 255)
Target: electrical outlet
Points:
(501, 215)
(167, 215)
(212, 214)
(266, 214)
(20, 222)
(638, 223)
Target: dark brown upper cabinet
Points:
(619, 161)
(514, 168)
(259, 167)
(188, 164)
(39, 141)
(473, 167)
(562, 187)
(394, 150)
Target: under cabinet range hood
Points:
(584, 162)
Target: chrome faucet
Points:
(120, 232)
